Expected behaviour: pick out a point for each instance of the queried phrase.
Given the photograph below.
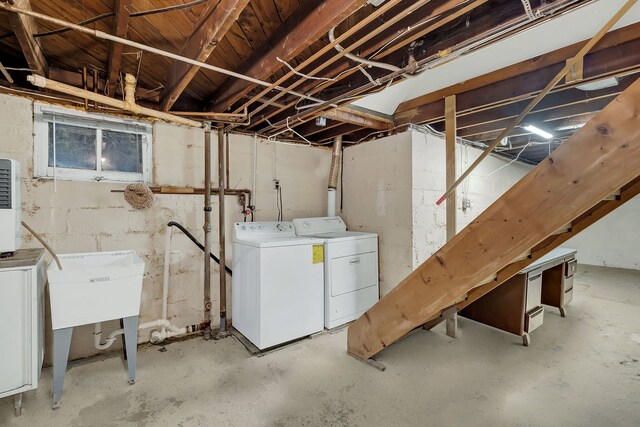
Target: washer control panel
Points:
(266, 228)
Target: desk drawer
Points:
(571, 267)
(568, 297)
(534, 319)
(534, 290)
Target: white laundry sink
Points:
(95, 287)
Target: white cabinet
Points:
(22, 279)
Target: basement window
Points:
(79, 146)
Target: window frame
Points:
(98, 122)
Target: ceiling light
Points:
(600, 84)
(504, 142)
(572, 127)
(376, 3)
(538, 131)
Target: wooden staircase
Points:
(590, 175)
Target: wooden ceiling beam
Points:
(385, 48)
(120, 26)
(611, 40)
(355, 117)
(540, 117)
(312, 20)
(562, 98)
(615, 61)
(213, 25)
(25, 27)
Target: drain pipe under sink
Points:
(334, 173)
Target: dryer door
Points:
(354, 272)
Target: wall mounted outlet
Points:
(276, 184)
(466, 204)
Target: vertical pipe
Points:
(166, 275)
(221, 231)
(95, 86)
(333, 176)
(227, 159)
(84, 84)
(207, 232)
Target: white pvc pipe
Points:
(165, 324)
(165, 282)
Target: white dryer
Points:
(350, 268)
(278, 283)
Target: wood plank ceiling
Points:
(249, 37)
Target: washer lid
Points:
(278, 241)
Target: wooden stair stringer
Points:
(571, 187)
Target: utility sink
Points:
(95, 287)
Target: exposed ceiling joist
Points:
(312, 20)
(484, 132)
(355, 117)
(120, 26)
(25, 27)
(556, 58)
(214, 24)
(614, 60)
(561, 98)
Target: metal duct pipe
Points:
(207, 232)
(221, 234)
(128, 104)
(334, 173)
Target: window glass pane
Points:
(121, 152)
(75, 147)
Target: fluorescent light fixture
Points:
(538, 131)
(572, 127)
(600, 84)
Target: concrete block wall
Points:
(391, 186)
(486, 183)
(87, 217)
(377, 198)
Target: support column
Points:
(450, 143)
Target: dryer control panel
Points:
(318, 226)
(264, 228)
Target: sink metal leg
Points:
(17, 404)
(61, 344)
(131, 344)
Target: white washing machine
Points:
(350, 268)
(278, 283)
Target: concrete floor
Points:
(581, 370)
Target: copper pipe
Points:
(84, 86)
(95, 86)
(207, 232)
(221, 233)
(190, 191)
(226, 143)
